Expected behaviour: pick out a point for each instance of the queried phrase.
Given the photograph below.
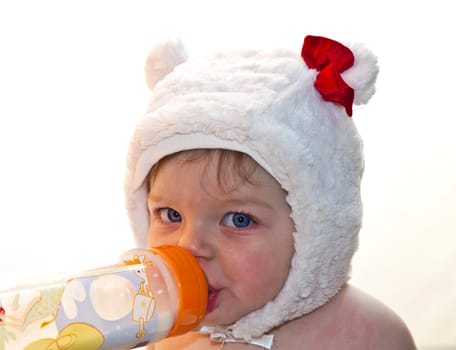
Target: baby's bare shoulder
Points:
(352, 320)
(378, 326)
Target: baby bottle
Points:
(154, 293)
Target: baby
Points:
(250, 160)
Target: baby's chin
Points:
(222, 317)
(212, 320)
(224, 310)
(218, 317)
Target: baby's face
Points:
(241, 238)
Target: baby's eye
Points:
(169, 215)
(237, 220)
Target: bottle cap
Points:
(191, 284)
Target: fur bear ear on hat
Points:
(162, 60)
(363, 74)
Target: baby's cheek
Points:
(261, 277)
(155, 238)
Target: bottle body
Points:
(119, 306)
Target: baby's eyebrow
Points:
(154, 198)
(249, 201)
(229, 200)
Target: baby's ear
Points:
(162, 59)
(363, 74)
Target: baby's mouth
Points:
(212, 297)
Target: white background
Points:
(72, 87)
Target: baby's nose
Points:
(195, 238)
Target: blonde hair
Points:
(233, 167)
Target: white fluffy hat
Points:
(290, 111)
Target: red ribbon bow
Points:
(330, 58)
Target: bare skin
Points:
(351, 321)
